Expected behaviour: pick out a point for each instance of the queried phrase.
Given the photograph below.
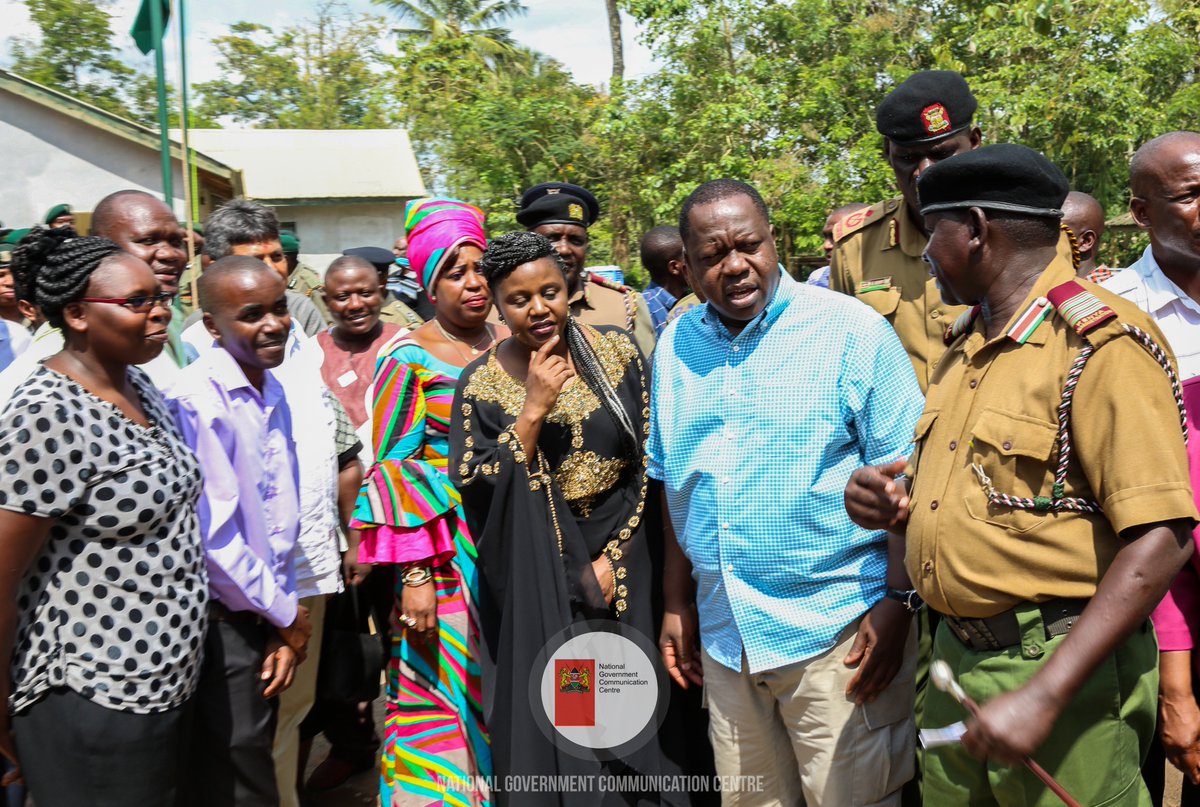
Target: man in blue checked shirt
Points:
(766, 398)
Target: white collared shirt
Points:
(1177, 315)
(318, 563)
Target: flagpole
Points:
(156, 26)
(189, 214)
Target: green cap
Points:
(289, 241)
(56, 211)
(16, 235)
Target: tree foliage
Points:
(475, 23)
(322, 74)
(74, 52)
(783, 94)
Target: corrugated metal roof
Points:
(103, 119)
(309, 164)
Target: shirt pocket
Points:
(1015, 451)
(885, 301)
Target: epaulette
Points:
(1082, 310)
(1029, 320)
(961, 325)
(604, 282)
(862, 218)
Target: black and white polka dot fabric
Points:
(115, 603)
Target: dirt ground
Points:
(363, 789)
(1174, 783)
(358, 791)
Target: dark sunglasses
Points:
(142, 304)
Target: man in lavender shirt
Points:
(233, 413)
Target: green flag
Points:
(144, 35)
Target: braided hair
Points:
(52, 267)
(506, 253)
(500, 259)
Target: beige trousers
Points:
(294, 704)
(790, 736)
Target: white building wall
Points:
(327, 229)
(49, 158)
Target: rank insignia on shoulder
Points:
(1030, 319)
(857, 220)
(893, 232)
(878, 284)
(960, 325)
(1082, 310)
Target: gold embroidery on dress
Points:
(584, 475)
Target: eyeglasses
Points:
(141, 304)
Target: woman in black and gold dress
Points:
(547, 452)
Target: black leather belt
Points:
(1002, 630)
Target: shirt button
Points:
(974, 383)
(934, 365)
(1007, 445)
(953, 444)
(935, 313)
(933, 505)
(736, 348)
(725, 526)
(927, 568)
(726, 481)
(729, 567)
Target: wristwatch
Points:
(910, 599)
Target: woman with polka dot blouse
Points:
(103, 589)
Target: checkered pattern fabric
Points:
(660, 302)
(344, 437)
(755, 437)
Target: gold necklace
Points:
(488, 336)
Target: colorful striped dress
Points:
(435, 745)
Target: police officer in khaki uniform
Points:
(878, 254)
(1049, 508)
(302, 279)
(562, 213)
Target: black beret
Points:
(1000, 177)
(557, 203)
(382, 259)
(927, 107)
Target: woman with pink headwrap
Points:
(435, 744)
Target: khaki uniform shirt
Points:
(306, 281)
(685, 304)
(184, 304)
(602, 302)
(398, 313)
(994, 404)
(878, 260)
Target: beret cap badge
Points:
(935, 119)
(575, 211)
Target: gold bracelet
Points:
(416, 576)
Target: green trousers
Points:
(1096, 748)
